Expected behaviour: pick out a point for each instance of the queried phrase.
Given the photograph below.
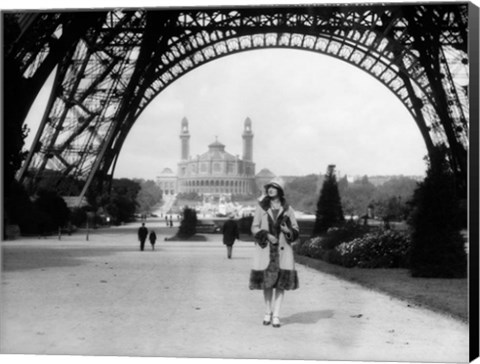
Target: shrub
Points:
(379, 249)
(347, 232)
(53, 209)
(78, 216)
(245, 225)
(310, 248)
(188, 225)
(18, 209)
(375, 249)
(319, 247)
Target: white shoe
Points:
(267, 319)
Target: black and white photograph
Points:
(274, 180)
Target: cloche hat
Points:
(276, 182)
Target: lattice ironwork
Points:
(121, 60)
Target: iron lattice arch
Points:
(111, 64)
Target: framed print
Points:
(275, 181)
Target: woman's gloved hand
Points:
(272, 239)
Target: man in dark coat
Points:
(230, 233)
(142, 235)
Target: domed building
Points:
(215, 172)
(167, 181)
(263, 177)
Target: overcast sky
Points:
(308, 110)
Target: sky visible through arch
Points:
(308, 110)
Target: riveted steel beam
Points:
(120, 60)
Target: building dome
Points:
(216, 151)
(167, 172)
(263, 177)
(265, 173)
(216, 145)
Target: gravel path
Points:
(186, 299)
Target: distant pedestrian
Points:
(153, 239)
(171, 221)
(166, 220)
(142, 235)
(230, 233)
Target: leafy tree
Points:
(149, 195)
(362, 192)
(126, 187)
(19, 209)
(121, 203)
(329, 206)
(400, 186)
(302, 192)
(54, 212)
(348, 205)
(391, 199)
(437, 245)
(392, 208)
(356, 196)
(188, 225)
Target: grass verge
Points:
(446, 296)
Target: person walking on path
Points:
(274, 228)
(230, 233)
(142, 235)
(153, 239)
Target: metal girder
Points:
(116, 69)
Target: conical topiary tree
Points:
(188, 225)
(437, 245)
(329, 207)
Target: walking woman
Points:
(274, 228)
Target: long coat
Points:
(230, 232)
(273, 264)
(142, 233)
(152, 237)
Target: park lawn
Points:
(446, 296)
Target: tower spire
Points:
(247, 140)
(185, 138)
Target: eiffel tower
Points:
(111, 63)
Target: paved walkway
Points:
(186, 299)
